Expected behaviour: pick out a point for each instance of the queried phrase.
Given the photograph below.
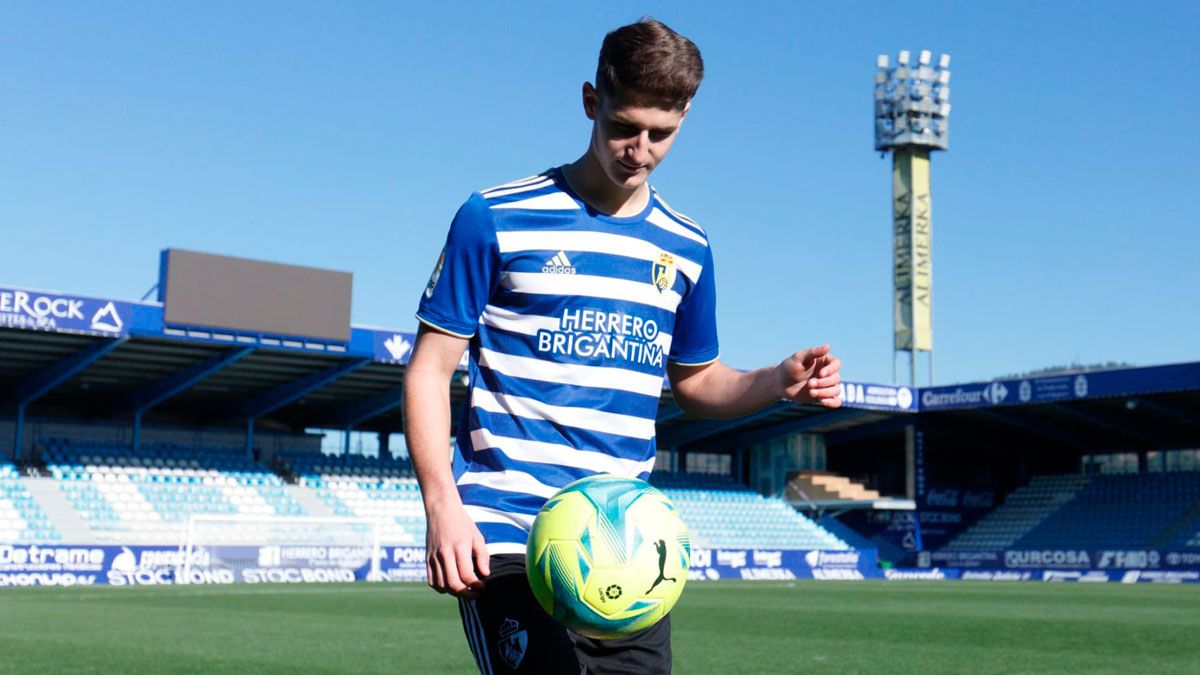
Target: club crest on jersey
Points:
(662, 273)
(513, 642)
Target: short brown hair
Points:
(649, 61)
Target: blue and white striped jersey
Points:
(572, 316)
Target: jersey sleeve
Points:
(694, 340)
(466, 272)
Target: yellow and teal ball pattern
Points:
(608, 556)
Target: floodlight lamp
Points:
(943, 77)
(902, 59)
(881, 61)
(923, 59)
(944, 61)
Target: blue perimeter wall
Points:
(30, 565)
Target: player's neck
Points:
(588, 180)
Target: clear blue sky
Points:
(345, 135)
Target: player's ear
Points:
(686, 107)
(591, 100)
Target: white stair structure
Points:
(62, 514)
(307, 498)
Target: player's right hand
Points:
(456, 557)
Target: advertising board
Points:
(60, 313)
(34, 565)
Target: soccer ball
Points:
(608, 556)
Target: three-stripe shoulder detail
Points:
(677, 216)
(535, 193)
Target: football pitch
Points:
(720, 627)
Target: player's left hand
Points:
(811, 376)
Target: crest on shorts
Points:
(513, 642)
(662, 272)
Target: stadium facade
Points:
(129, 424)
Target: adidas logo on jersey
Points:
(559, 264)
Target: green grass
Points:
(720, 627)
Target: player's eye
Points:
(660, 135)
(622, 130)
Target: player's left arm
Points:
(716, 390)
(705, 387)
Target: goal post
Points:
(291, 549)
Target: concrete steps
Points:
(825, 486)
(48, 495)
(307, 497)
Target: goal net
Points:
(257, 549)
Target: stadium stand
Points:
(1189, 534)
(21, 517)
(146, 498)
(365, 487)
(1025, 509)
(1119, 511)
(1128, 511)
(117, 496)
(723, 513)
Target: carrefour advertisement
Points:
(1056, 388)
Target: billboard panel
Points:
(200, 289)
(59, 313)
(912, 232)
(1061, 388)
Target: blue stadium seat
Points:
(722, 513)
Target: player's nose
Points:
(640, 150)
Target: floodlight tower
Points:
(912, 115)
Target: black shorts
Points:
(509, 632)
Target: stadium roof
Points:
(78, 356)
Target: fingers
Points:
(460, 572)
(451, 570)
(482, 561)
(818, 393)
(809, 357)
(831, 381)
(832, 365)
(433, 575)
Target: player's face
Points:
(629, 138)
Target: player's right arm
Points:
(453, 544)
(463, 280)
